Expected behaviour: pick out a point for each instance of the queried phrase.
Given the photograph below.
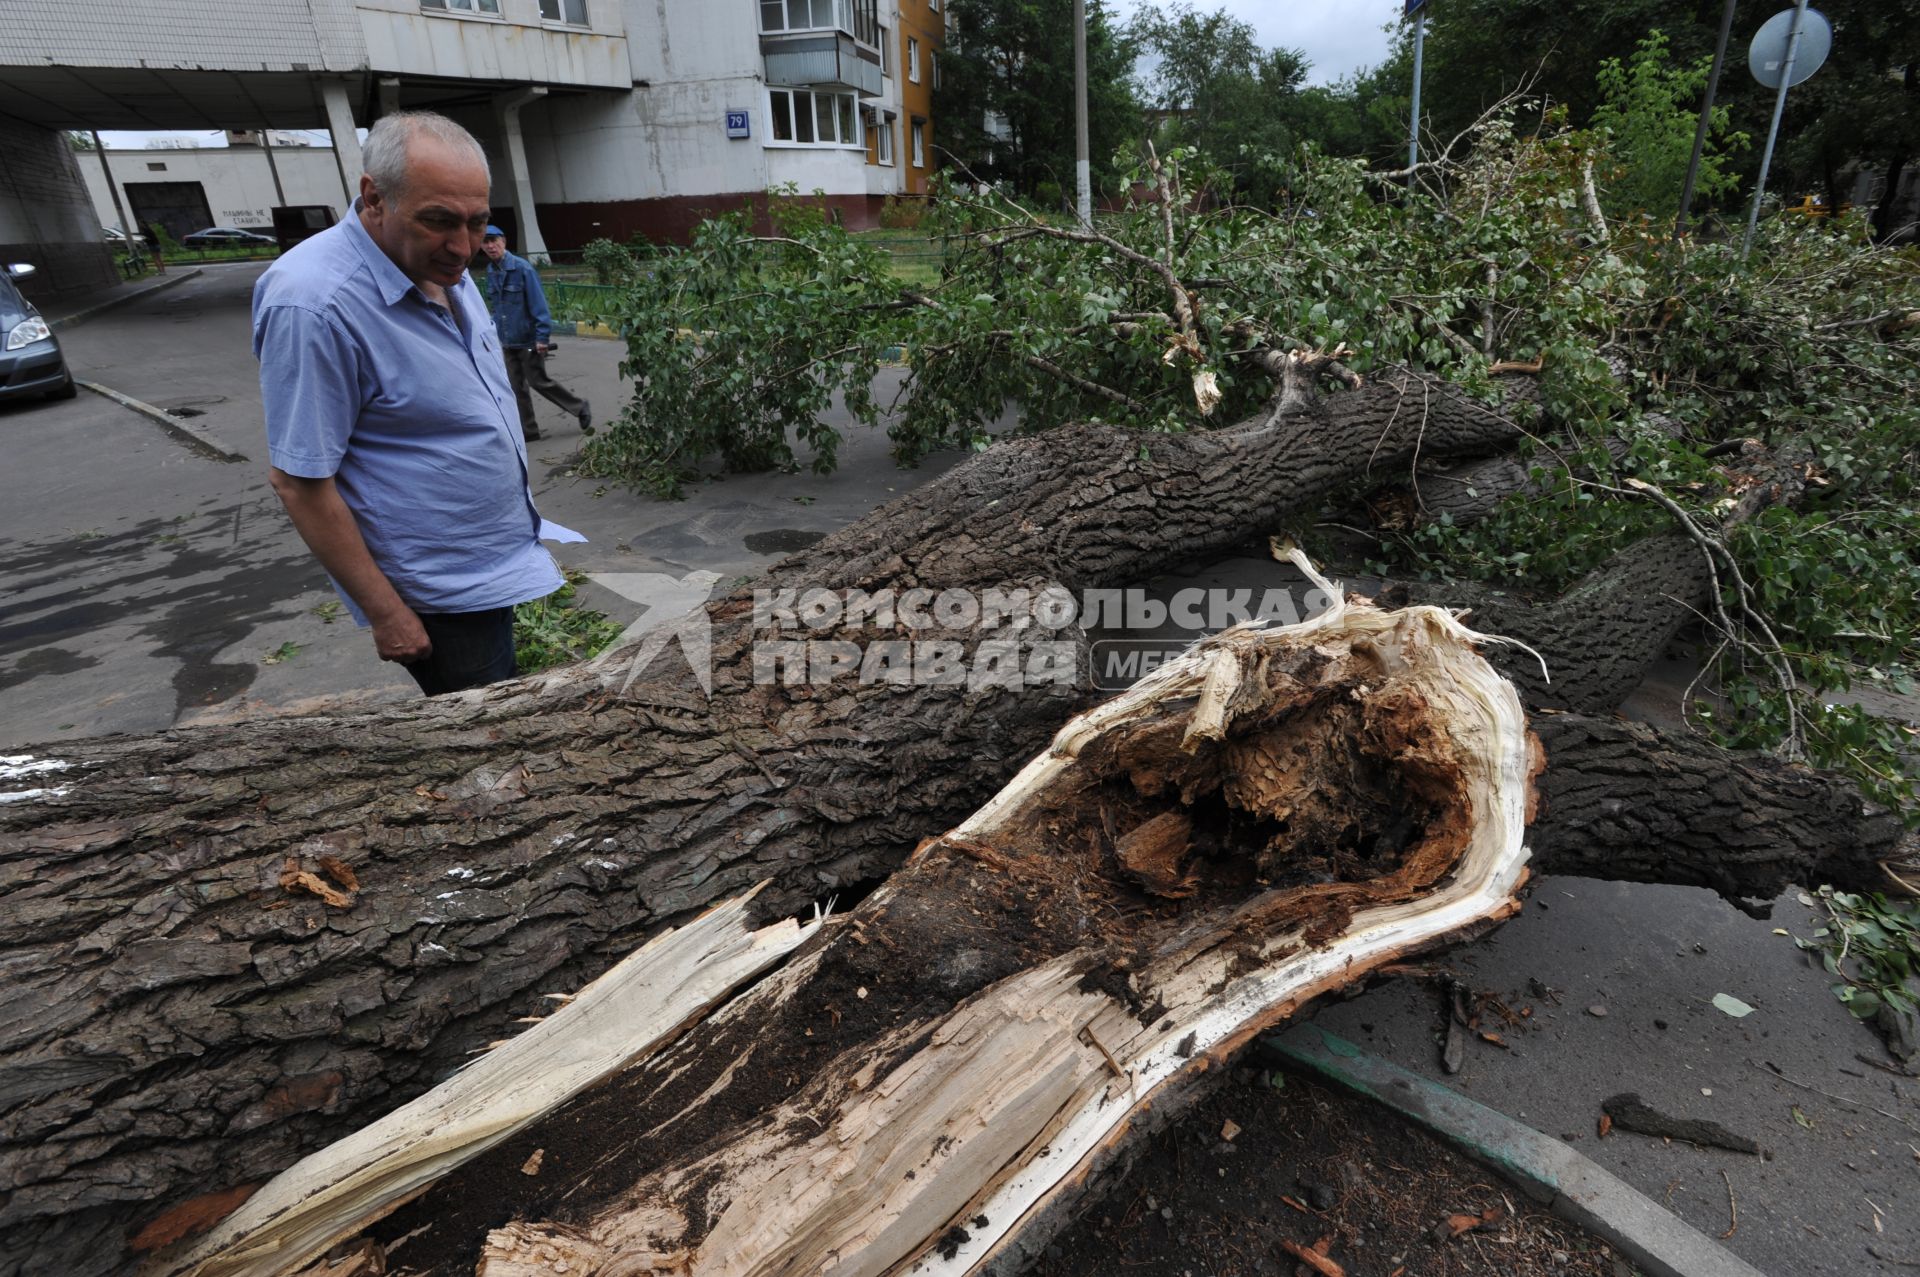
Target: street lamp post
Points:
(1706, 120)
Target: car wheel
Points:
(67, 391)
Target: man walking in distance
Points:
(391, 430)
(520, 314)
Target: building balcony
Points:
(822, 42)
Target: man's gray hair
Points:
(384, 154)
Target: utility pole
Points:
(100, 149)
(1082, 168)
(1706, 120)
(266, 144)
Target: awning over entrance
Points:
(63, 97)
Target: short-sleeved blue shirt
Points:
(407, 407)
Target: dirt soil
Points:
(1308, 1163)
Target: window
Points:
(919, 143)
(886, 53)
(883, 139)
(571, 12)
(933, 65)
(805, 15)
(153, 167)
(466, 6)
(858, 18)
(913, 59)
(803, 117)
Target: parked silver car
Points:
(31, 362)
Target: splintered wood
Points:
(927, 1086)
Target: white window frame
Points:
(919, 143)
(841, 18)
(886, 52)
(913, 60)
(487, 9)
(586, 14)
(846, 109)
(883, 139)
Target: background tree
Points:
(1215, 89)
(1006, 94)
(1859, 111)
(1649, 113)
(1862, 110)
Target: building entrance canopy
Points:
(165, 98)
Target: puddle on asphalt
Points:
(42, 661)
(191, 584)
(781, 540)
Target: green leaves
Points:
(1873, 946)
(556, 630)
(1648, 117)
(737, 345)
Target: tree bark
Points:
(227, 946)
(1623, 801)
(1274, 815)
(1599, 637)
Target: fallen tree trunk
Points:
(1604, 631)
(226, 947)
(929, 1086)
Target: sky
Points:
(134, 140)
(1338, 36)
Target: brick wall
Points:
(46, 215)
(671, 220)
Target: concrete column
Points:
(506, 109)
(346, 140)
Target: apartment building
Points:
(602, 117)
(923, 28)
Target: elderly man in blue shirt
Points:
(525, 326)
(392, 433)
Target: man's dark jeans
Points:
(470, 649)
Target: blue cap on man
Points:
(494, 232)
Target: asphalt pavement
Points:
(144, 584)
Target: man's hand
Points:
(400, 637)
(541, 348)
(327, 526)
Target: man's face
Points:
(431, 230)
(494, 247)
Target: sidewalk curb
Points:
(198, 440)
(82, 316)
(1573, 1186)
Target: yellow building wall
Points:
(923, 21)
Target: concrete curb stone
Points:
(1572, 1186)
